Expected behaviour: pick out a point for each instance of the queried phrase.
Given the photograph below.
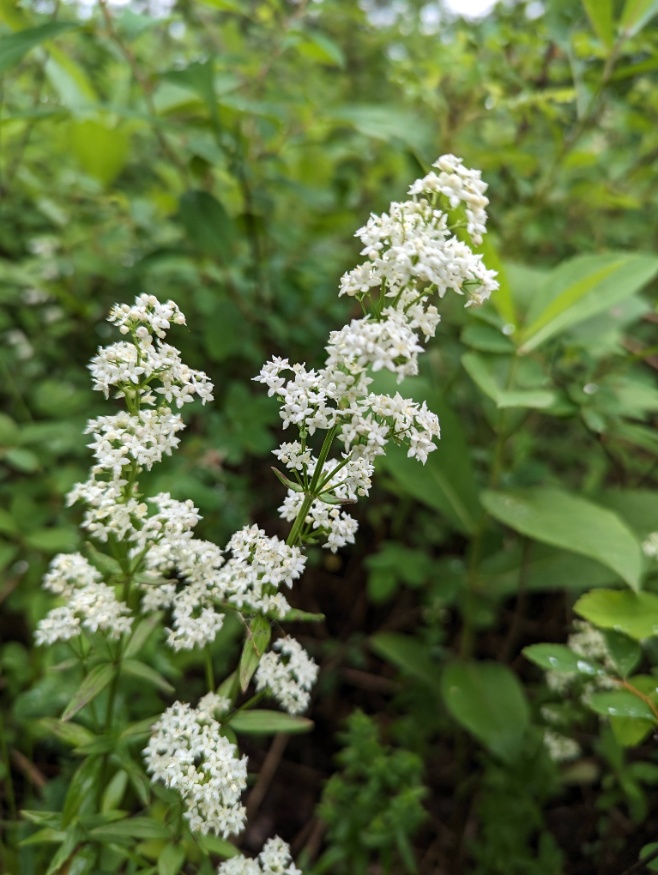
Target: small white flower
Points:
(289, 675)
(188, 753)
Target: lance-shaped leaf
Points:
(581, 288)
(15, 46)
(262, 722)
(255, 645)
(95, 682)
(572, 523)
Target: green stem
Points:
(210, 672)
(298, 525)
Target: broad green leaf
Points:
(630, 731)
(385, 122)
(558, 657)
(408, 654)
(15, 46)
(624, 651)
(636, 14)
(70, 81)
(487, 338)
(207, 224)
(487, 699)
(634, 614)
(572, 523)
(262, 722)
(319, 47)
(599, 13)
(620, 703)
(197, 77)
(135, 668)
(100, 149)
(637, 507)
(581, 288)
(255, 645)
(541, 568)
(446, 482)
(477, 368)
(95, 682)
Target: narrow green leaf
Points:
(81, 792)
(635, 614)
(581, 288)
(135, 668)
(294, 615)
(599, 13)
(502, 298)
(620, 703)
(69, 733)
(572, 523)
(558, 657)
(72, 838)
(141, 633)
(114, 792)
(140, 729)
(95, 682)
(15, 46)
(636, 14)
(130, 829)
(44, 836)
(261, 722)
(255, 645)
(486, 698)
(408, 654)
(171, 859)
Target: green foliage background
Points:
(223, 155)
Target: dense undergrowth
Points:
(222, 154)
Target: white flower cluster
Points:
(91, 604)
(650, 545)
(288, 675)
(251, 578)
(186, 751)
(589, 643)
(560, 747)
(274, 859)
(412, 254)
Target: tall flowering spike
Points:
(414, 258)
(149, 376)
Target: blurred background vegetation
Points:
(222, 153)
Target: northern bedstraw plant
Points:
(142, 564)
